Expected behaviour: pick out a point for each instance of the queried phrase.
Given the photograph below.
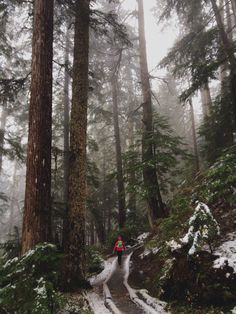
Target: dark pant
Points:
(119, 254)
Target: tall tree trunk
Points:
(229, 51)
(154, 198)
(226, 19)
(37, 210)
(66, 136)
(13, 198)
(223, 67)
(131, 175)
(195, 147)
(92, 238)
(233, 2)
(3, 122)
(120, 178)
(229, 21)
(104, 198)
(74, 261)
(206, 99)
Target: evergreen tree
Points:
(154, 198)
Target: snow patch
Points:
(158, 305)
(147, 252)
(227, 253)
(10, 262)
(173, 245)
(148, 308)
(96, 303)
(109, 267)
(143, 236)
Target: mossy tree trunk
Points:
(74, 260)
(37, 209)
(153, 195)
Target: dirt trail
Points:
(113, 293)
(120, 295)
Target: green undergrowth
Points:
(29, 284)
(215, 187)
(188, 309)
(94, 259)
(77, 303)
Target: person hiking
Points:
(119, 248)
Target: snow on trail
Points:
(115, 278)
(97, 303)
(109, 267)
(149, 304)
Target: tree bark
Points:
(229, 21)
(119, 167)
(13, 198)
(74, 261)
(66, 137)
(3, 122)
(206, 99)
(195, 147)
(37, 209)
(154, 198)
(131, 175)
(223, 67)
(233, 2)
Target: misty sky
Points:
(158, 40)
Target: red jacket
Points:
(119, 246)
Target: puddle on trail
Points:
(120, 295)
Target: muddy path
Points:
(119, 292)
(114, 294)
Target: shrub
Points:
(219, 182)
(203, 228)
(94, 259)
(28, 284)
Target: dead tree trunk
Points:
(120, 178)
(153, 194)
(74, 261)
(37, 210)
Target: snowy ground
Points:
(141, 298)
(227, 253)
(97, 303)
(109, 266)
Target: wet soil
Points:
(120, 295)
